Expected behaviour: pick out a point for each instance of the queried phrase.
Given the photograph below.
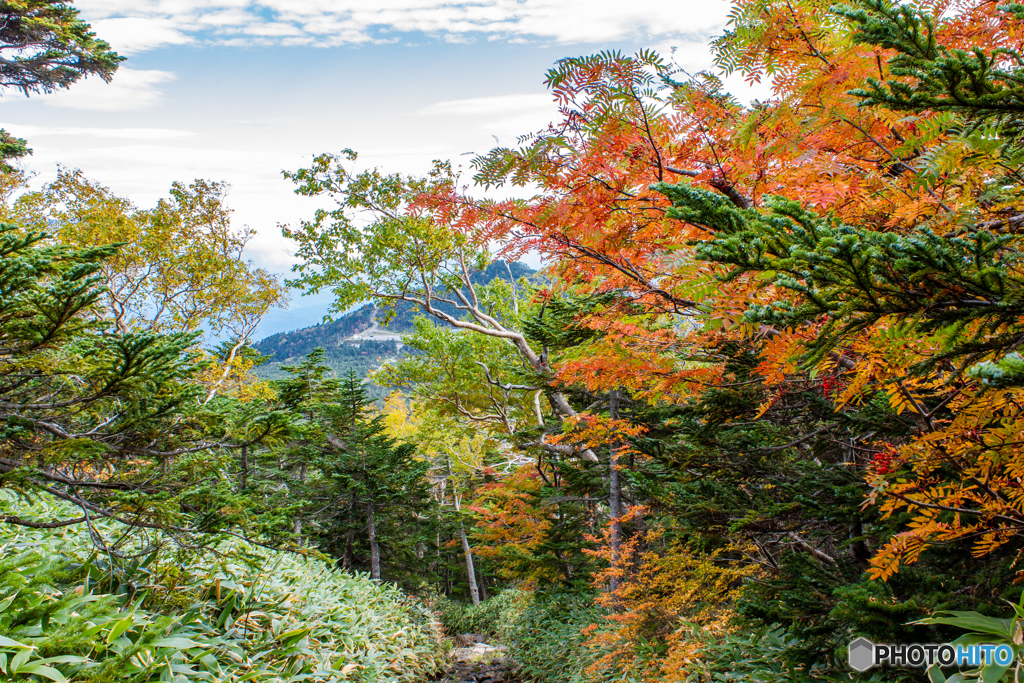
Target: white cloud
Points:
(504, 117)
(115, 133)
(131, 89)
(129, 35)
(500, 104)
(135, 25)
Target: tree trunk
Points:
(614, 498)
(474, 592)
(346, 559)
(483, 587)
(243, 478)
(374, 548)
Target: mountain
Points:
(359, 340)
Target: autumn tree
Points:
(927, 300)
(461, 456)
(809, 309)
(408, 252)
(178, 266)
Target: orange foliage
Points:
(603, 228)
(511, 525)
(664, 591)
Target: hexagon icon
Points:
(862, 654)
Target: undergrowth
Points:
(546, 634)
(224, 612)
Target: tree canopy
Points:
(44, 47)
(763, 398)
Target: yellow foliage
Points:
(235, 378)
(664, 591)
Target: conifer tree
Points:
(85, 414)
(45, 46)
(350, 486)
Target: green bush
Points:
(545, 634)
(458, 617)
(543, 631)
(764, 655)
(229, 612)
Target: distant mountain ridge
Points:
(360, 339)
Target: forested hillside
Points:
(375, 331)
(296, 344)
(764, 399)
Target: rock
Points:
(481, 652)
(469, 639)
(479, 673)
(478, 662)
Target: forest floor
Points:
(481, 663)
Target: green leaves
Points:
(386, 240)
(976, 623)
(63, 49)
(286, 617)
(982, 630)
(82, 395)
(965, 288)
(983, 85)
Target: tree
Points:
(819, 146)
(110, 396)
(381, 480)
(808, 312)
(308, 394)
(347, 483)
(409, 252)
(178, 266)
(87, 413)
(44, 46)
(457, 454)
(930, 308)
(460, 375)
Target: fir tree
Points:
(375, 485)
(44, 46)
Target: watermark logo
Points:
(864, 654)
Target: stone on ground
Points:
(480, 663)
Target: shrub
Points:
(229, 612)
(485, 619)
(546, 633)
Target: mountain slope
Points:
(360, 340)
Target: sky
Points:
(239, 90)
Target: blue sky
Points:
(237, 90)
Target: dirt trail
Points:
(481, 663)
